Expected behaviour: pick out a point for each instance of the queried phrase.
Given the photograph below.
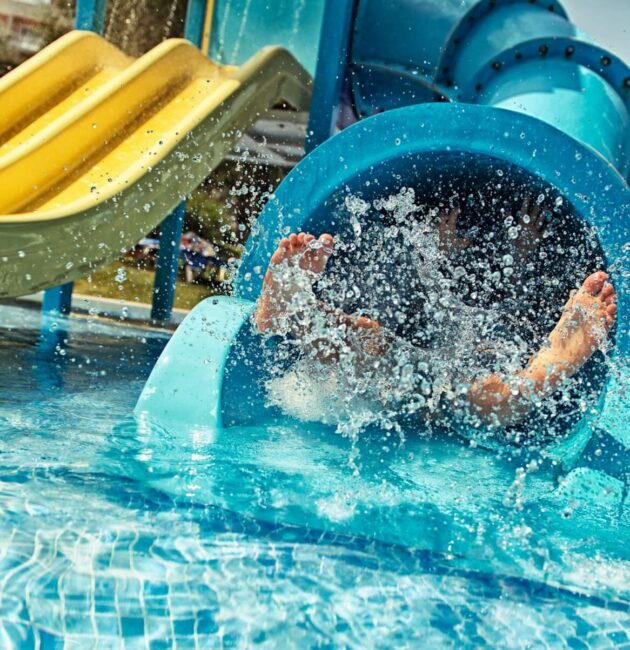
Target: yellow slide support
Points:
(97, 148)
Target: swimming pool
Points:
(117, 534)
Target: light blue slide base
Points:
(184, 388)
(206, 436)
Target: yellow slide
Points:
(97, 148)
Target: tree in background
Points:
(56, 19)
(224, 208)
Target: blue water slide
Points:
(421, 50)
(521, 55)
(537, 102)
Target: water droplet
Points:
(459, 272)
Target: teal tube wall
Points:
(521, 88)
(516, 54)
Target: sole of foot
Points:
(303, 251)
(586, 320)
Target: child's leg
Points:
(583, 326)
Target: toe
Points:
(611, 299)
(594, 283)
(609, 314)
(366, 323)
(569, 302)
(607, 290)
(281, 252)
(326, 240)
(452, 217)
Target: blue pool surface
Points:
(115, 533)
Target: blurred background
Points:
(607, 21)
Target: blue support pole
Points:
(57, 301)
(195, 14)
(90, 16)
(332, 63)
(166, 266)
(172, 226)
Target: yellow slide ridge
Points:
(97, 148)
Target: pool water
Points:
(115, 533)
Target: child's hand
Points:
(531, 224)
(447, 232)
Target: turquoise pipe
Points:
(516, 54)
(210, 348)
(542, 104)
(330, 77)
(402, 54)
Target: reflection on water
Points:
(266, 536)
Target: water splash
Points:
(457, 307)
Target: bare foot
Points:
(585, 322)
(281, 284)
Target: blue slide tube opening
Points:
(419, 147)
(423, 145)
(366, 158)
